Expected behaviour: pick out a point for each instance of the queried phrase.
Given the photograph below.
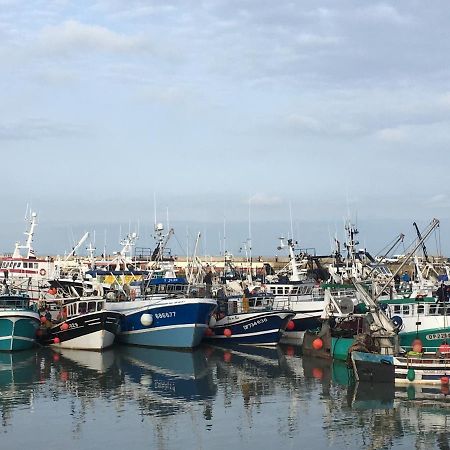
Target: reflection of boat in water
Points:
(162, 376)
(93, 361)
(19, 376)
(392, 412)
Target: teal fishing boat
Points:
(19, 322)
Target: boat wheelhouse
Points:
(248, 320)
(19, 322)
(83, 324)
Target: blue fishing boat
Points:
(248, 320)
(19, 322)
(164, 314)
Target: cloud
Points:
(74, 37)
(394, 135)
(382, 12)
(265, 200)
(316, 40)
(34, 129)
(304, 123)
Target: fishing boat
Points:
(248, 320)
(294, 289)
(19, 322)
(27, 273)
(404, 369)
(83, 324)
(163, 312)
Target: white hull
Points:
(97, 340)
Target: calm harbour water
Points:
(131, 397)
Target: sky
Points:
(258, 117)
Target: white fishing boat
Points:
(27, 272)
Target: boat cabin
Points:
(15, 301)
(80, 307)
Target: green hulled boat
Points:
(19, 322)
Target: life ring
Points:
(42, 272)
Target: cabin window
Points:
(406, 310)
(99, 306)
(71, 310)
(179, 287)
(82, 308)
(25, 265)
(92, 306)
(170, 288)
(397, 309)
(35, 265)
(420, 309)
(279, 290)
(432, 309)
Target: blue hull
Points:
(252, 329)
(18, 333)
(173, 326)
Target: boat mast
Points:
(28, 244)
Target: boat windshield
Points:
(14, 302)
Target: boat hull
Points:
(308, 311)
(92, 331)
(257, 328)
(18, 330)
(400, 370)
(170, 323)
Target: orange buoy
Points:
(290, 351)
(317, 344)
(417, 345)
(64, 376)
(52, 291)
(444, 380)
(209, 332)
(317, 373)
(64, 326)
(43, 319)
(290, 325)
(227, 332)
(56, 340)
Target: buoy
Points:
(317, 373)
(209, 332)
(64, 376)
(411, 375)
(64, 326)
(290, 351)
(317, 344)
(444, 348)
(290, 325)
(43, 319)
(417, 346)
(227, 332)
(411, 392)
(146, 319)
(444, 380)
(56, 340)
(52, 291)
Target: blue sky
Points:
(327, 106)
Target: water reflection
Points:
(18, 374)
(246, 397)
(162, 381)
